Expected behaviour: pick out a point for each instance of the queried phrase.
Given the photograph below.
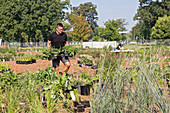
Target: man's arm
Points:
(48, 44)
(67, 44)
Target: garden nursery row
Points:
(126, 82)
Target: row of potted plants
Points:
(26, 59)
(54, 52)
(86, 62)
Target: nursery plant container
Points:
(33, 61)
(88, 64)
(167, 81)
(80, 108)
(23, 62)
(85, 90)
(85, 103)
(80, 65)
(96, 81)
(78, 62)
(75, 103)
(75, 87)
(94, 66)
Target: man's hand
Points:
(48, 44)
(67, 44)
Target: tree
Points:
(148, 13)
(161, 30)
(121, 24)
(88, 10)
(81, 29)
(111, 31)
(30, 20)
(138, 31)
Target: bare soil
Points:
(42, 64)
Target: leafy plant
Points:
(84, 79)
(86, 61)
(54, 52)
(24, 58)
(9, 79)
(63, 84)
(4, 67)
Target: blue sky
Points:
(113, 9)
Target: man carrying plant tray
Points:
(57, 40)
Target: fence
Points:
(32, 44)
(99, 44)
(86, 44)
(44, 44)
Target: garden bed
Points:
(106, 87)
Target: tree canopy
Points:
(111, 30)
(148, 13)
(161, 30)
(88, 10)
(30, 20)
(81, 29)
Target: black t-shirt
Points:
(57, 41)
(120, 45)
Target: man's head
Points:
(59, 28)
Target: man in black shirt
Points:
(120, 46)
(58, 40)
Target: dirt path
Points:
(42, 64)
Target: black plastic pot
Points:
(74, 87)
(78, 62)
(80, 65)
(80, 108)
(96, 81)
(52, 57)
(167, 81)
(33, 61)
(97, 71)
(94, 66)
(85, 103)
(88, 64)
(75, 103)
(85, 90)
(23, 62)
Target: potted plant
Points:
(45, 54)
(83, 84)
(69, 51)
(33, 59)
(24, 60)
(86, 61)
(4, 67)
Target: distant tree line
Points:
(34, 20)
(30, 20)
(153, 20)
